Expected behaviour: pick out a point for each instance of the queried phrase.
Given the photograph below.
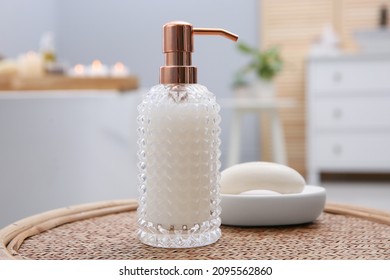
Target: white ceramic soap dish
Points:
(271, 209)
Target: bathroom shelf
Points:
(58, 82)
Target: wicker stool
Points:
(107, 230)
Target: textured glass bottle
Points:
(179, 166)
(179, 150)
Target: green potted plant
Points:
(265, 65)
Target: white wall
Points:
(22, 23)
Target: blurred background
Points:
(308, 86)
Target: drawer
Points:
(349, 76)
(352, 150)
(354, 112)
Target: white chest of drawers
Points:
(348, 115)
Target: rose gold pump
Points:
(178, 46)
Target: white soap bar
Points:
(250, 176)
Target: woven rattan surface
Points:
(113, 236)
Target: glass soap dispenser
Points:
(179, 150)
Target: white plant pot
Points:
(259, 89)
(264, 88)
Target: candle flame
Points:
(119, 67)
(96, 65)
(79, 69)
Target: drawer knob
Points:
(337, 77)
(337, 149)
(337, 113)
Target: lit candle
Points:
(97, 69)
(30, 65)
(119, 70)
(78, 71)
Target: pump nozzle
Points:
(178, 46)
(215, 31)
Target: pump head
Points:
(178, 45)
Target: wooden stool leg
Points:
(278, 143)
